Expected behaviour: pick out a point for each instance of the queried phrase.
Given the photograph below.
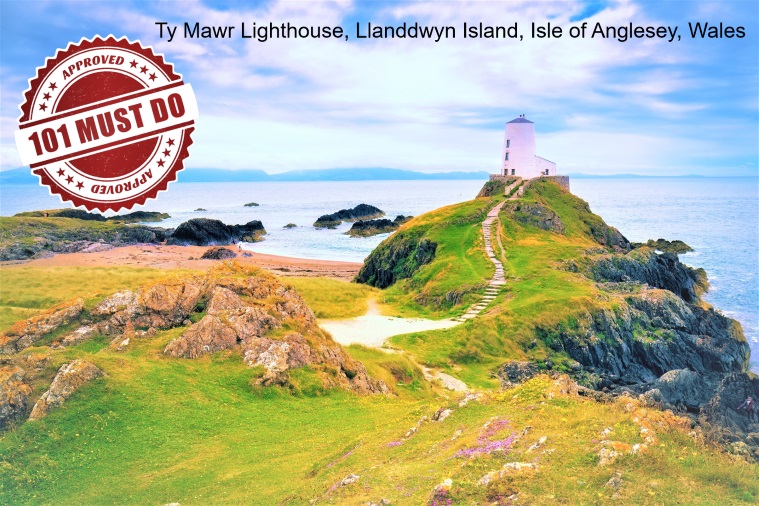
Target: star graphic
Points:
(46, 96)
(160, 163)
(143, 69)
(132, 64)
(69, 179)
(79, 185)
(170, 142)
(61, 172)
(166, 152)
(43, 107)
(53, 86)
(152, 77)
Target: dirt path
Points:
(498, 280)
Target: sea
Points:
(718, 217)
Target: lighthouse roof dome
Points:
(520, 119)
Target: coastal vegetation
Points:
(537, 424)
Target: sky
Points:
(600, 106)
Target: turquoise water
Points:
(718, 217)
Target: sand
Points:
(373, 329)
(188, 257)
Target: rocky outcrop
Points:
(25, 333)
(660, 270)
(218, 253)
(159, 306)
(396, 259)
(360, 212)
(241, 312)
(369, 228)
(29, 237)
(533, 214)
(208, 232)
(140, 216)
(652, 333)
(69, 379)
(496, 186)
(13, 394)
(676, 247)
(721, 413)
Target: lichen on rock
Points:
(69, 379)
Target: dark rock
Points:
(677, 247)
(140, 216)
(206, 232)
(369, 228)
(515, 373)
(534, 214)
(290, 225)
(360, 212)
(644, 265)
(63, 213)
(200, 209)
(396, 258)
(219, 253)
(683, 389)
(56, 235)
(653, 333)
(721, 412)
(251, 204)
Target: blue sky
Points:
(600, 106)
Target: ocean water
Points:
(718, 217)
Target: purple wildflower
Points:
(394, 443)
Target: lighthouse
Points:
(518, 156)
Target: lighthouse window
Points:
(513, 171)
(508, 143)
(507, 156)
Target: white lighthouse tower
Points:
(519, 158)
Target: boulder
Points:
(207, 232)
(515, 373)
(218, 253)
(25, 333)
(685, 389)
(360, 212)
(69, 379)
(13, 394)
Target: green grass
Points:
(459, 270)
(27, 290)
(159, 430)
(331, 298)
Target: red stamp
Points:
(106, 123)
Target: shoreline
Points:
(160, 256)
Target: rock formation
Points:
(25, 333)
(69, 379)
(218, 253)
(360, 212)
(368, 228)
(208, 232)
(396, 259)
(13, 394)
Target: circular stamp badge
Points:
(106, 123)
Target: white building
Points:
(519, 158)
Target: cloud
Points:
(295, 104)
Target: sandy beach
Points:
(188, 257)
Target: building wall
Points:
(542, 165)
(520, 137)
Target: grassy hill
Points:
(158, 429)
